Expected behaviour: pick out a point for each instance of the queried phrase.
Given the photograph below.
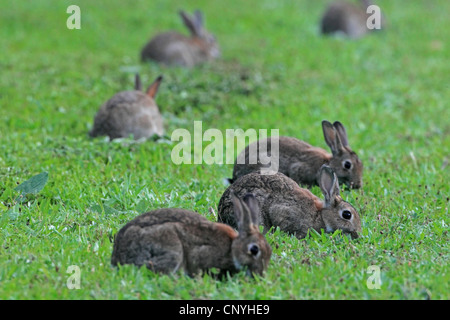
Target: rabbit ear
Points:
(137, 82)
(366, 3)
(329, 185)
(242, 213)
(153, 88)
(332, 138)
(342, 133)
(253, 206)
(198, 19)
(189, 23)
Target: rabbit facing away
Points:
(302, 162)
(168, 240)
(130, 112)
(293, 209)
(347, 17)
(173, 48)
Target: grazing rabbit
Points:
(295, 210)
(346, 17)
(167, 240)
(301, 161)
(173, 48)
(130, 112)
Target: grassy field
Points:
(390, 89)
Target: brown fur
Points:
(226, 229)
(153, 88)
(168, 240)
(130, 113)
(346, 17)
(301, 162)
(173, 48)
(293, 209)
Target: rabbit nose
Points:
(356, 185)
(354, 235)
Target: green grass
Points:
(390, 89)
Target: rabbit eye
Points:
(347, 164)
(253, 249)
(346, 214)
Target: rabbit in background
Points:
(348, 18)
(173, 48)
(130, 113)
(302, 162)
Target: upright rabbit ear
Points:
(253, 206)
(137, 82)
(366, 3)
(342, 133)
(153, 88)
(329, 185)
(243, 213)
(198, 19)
(189, 23)
(332, 138)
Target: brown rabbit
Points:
(302, 162)
(347, 17)
(173, 48)
(130, 112)
(168, 240)
(295, 210)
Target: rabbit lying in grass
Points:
(302, 162)
(168, 240)
(294, 210)
(173, 48)
(130, 113)
(347, 17)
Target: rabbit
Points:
(173, 48)
(347, 17)
(293, 209)
(130, 112)
(168, 240)
(301, 161)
